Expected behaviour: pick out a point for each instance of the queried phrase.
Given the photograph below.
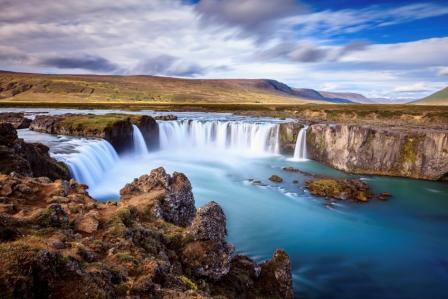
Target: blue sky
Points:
(392, 49)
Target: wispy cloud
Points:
(354, 20)
(416, 87)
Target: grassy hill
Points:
(438, 98)
(90, 89)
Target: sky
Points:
(382, 49)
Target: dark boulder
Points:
(150, 131)
(275, 276)
(174, 201)
(30, 159)
(208, 254)
(18, 120)
(120, 135)
(276, 179)
(209, 223)
(45, 123)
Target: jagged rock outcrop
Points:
(115, 128)
(56, 241)
(31, 159)
(17, 120)
(209, 223)
(208, 254)
(288, 133)
(173, 200)
(415, 153)
(275, 276)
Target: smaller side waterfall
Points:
(300, 149)
(90, 161)
(139, 142)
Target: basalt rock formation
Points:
(56, 241)
(17, 120)
(31, 159)
(115, 128)
(394, 151)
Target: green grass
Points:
(92, 122)
(438, 98)
(82, 89)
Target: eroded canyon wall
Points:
(406, 152)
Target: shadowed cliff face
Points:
(415, 153)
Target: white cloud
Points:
(442, 71)
(416, 87)
(427, 52)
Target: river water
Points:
(392, 249)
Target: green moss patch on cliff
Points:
(409, 151)
(315, 141)
(91, 122)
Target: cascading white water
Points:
(300, 149)
(139, 142)
(90, 161)
(257, 138)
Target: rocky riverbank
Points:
(30, 159)
(115, 128)
(394, 151)
(56, 241)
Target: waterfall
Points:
(139, 142)
(90, 161)
(258, 138)
(300, 149)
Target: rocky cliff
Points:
(56, 241)
(115, 128)
(394, 151)
(31, 159)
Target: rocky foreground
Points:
(56, 241)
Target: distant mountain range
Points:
(344, 97)
(25, 87)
